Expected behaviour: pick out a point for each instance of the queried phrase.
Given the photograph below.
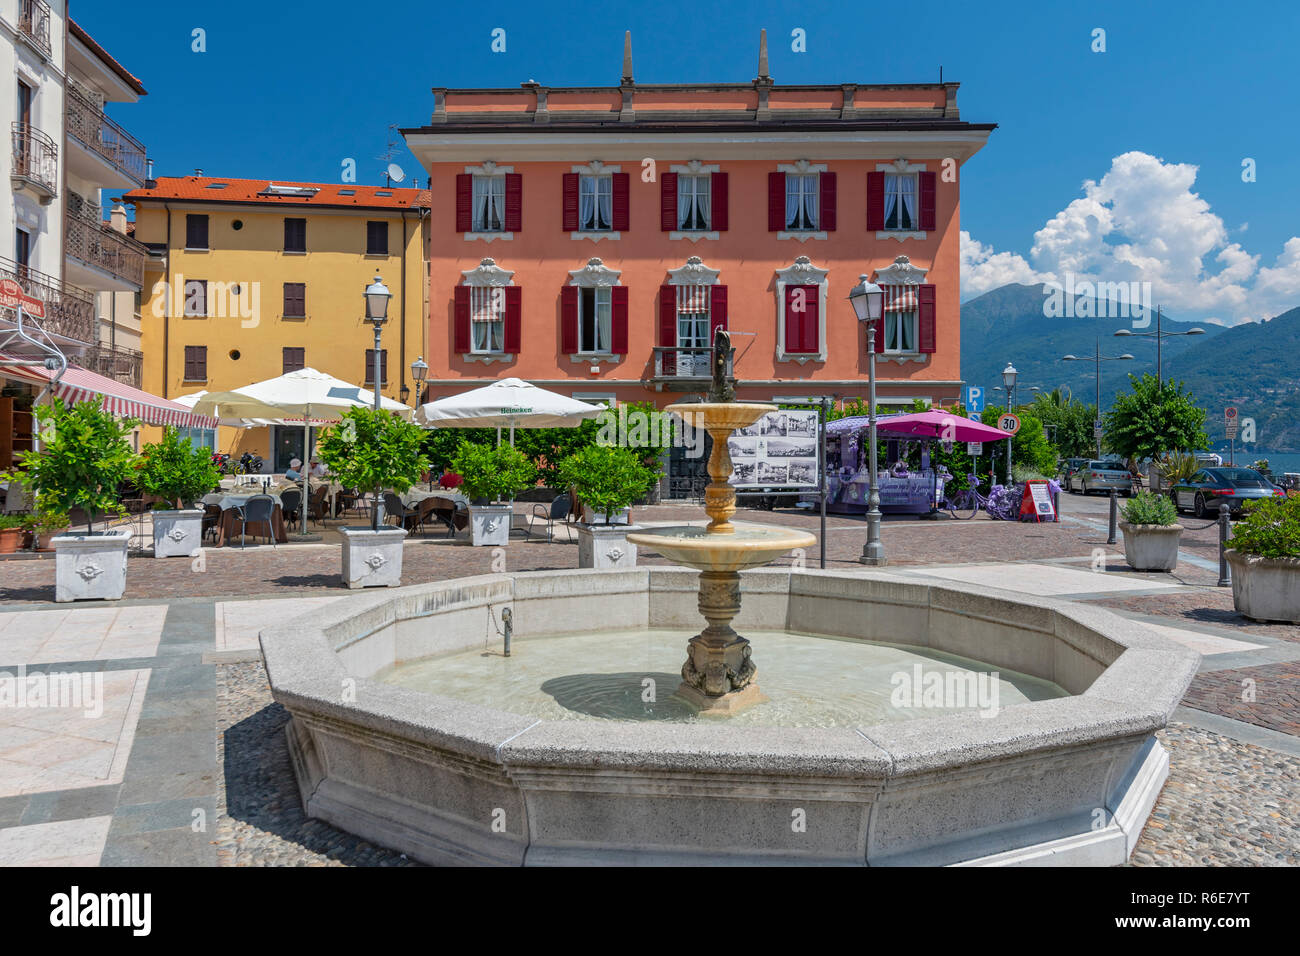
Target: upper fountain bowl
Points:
(716, 415)
(751, 546)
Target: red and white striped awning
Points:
(900, 299)
(125, 401)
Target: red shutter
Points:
(461, 340)
(569, 319)
(668, 326)
(928, 185)
(618, 319)
(793, 322)
(811, 316)
(926, 333)
(801, 327)
(668, 202)
(718, 204)
(875, 201)
(569, 219)
(621, 193)
(717, 308)
(514, 202)
(514, 320)
(464, 202)
(775, 202)
(826, 201)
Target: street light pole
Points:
(1097, 359)
(867, 299)
(377, 296)
(1009, 380)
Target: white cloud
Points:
(1142, 222)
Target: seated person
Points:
(317, 469)
(293, 472)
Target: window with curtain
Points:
(693, 329)
(487, 314)
(596, 203)
(800, 201)
(489, 203)
(595, 319)
(900, 314)
(900, 202)
(693, 195)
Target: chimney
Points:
(149, 181)
(117, 218)
(627, 56)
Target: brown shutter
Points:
(460, 321)
(621, 190)
(294, 358)
(717, 308)
(718, 203)
(926, 336)
(514, 320)
(569, 319)
(514, 202)
(569, 216)
(464, 202)
(776, 203)
(668, 202)
(295, 300)
(618, 319)
(875, 201)
(668, 326)
(196, 231)
(928, 185)
(383, 367)
(196, 363)
(826, 202)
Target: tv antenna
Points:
(393, 173)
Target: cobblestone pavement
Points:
(1266, 696)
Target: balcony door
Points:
(24, 103)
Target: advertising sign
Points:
(778, 450)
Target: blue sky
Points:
(1183, 93)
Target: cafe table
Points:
(228, 526)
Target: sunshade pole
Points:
(306, 471)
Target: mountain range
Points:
(1254, 366)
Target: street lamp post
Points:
(419, 372)
(867, 299)
(1159, 336)
(1098, 358)
(1009, 380)
(377, 296)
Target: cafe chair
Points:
(211, 521)
(317, 510)
(560, 509)
(290, 500)
(393, 508)
(256, 511)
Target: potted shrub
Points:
(11, 532)
(490, 478)
(1151, 532)
(84, 456)
(607, 480)
(1265, 560)
(373, 451)
(178, 473)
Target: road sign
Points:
(1231, 429)
(1230, 413)
(974, 399)
(974, 448)
(1009, 423)
(1096, 432)
(12, 296)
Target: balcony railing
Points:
(87, 123)
(686, 366)
(119, 364)
(36, 158)
(90, 240)
(34, 24)
(69, 310)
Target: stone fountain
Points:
(718, 676)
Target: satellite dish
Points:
(395, 173)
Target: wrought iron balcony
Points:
(69, 310)
(36, 161)
(88, 125)
(684, 368)
(89, 239)
(34, 24)
(119, 364)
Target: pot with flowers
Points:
(1265, 560)
(1151, 532)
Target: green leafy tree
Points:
(1068, 422)
(177, 471)
(84, 456)
(373, 451)
(606, 478)
(1030, 448)
(493, 473)
(1154, 418)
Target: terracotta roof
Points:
(76, 30)
(216, 189)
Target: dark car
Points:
(1203, 492)
(1069, 466)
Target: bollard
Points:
(1114, 516)
(507, 620)
(1225, 573)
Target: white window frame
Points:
(692, 185)
(488, 170)
(492, 301)
(901, 167)
(595, 170)
(803, 168)
(693, 275)
(913, 320)
(486, 278)
(901, 273)
(695, 168)
(494, 186)
(598, 293)
(595, 275)
(801, 272)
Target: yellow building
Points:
(248, 279)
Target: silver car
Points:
(1102, 476)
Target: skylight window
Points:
(383, 192)
(347, 192)
(216, 186)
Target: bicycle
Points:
(965, 503)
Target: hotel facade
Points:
(590, 239)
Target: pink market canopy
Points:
(934, 423)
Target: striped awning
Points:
(900, 299)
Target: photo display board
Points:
(778, 450)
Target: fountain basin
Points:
(1064, 780)
(750, 546)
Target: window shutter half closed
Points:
(718, 201)
(464, 200)
(668, 202)
(618, 319)
(621, 194)
(460, 320)
(875, 201)
(569, 319)
(514, 202)
(514, 320)
(775, 202)
(569, 215)
(928, 186)
(826, 201)
(668, 326)
(717, 309)
(926, 332)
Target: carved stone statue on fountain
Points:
(721, 390)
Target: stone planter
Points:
(1151, 547)
(372, 559)
(603, 546)
(90, 567)
(1265, 589)
(623, 516)
(489, 525)
(10, 539)
(177, 534)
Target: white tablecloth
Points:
(228, 501)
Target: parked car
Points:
(1204, 491)
(1102, 476)
(1068, 467)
